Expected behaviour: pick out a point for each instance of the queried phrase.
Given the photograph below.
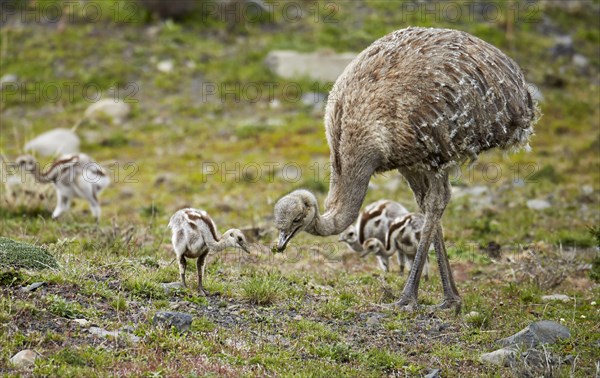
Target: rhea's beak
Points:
(284, 238)
(243, 246)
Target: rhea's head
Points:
(235, 238)
(294, 212)
(26, 162)
(350, 235)
(371, 246)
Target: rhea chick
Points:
(372, 222)
(402, 238)
(73, 176)
(195, 235)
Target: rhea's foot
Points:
(451, 302)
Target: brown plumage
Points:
(420, 101)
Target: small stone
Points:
(116, 334)
(24, 358)
(8, 79)
(500, 357)
(433, 373)
(298, 317)
(556, 297)
(587, 190)
(117, 111)
(181, 321)
(471, 315)
(82, 322)
(172, 286)
(373, 320)
(32, 287)
(580, 61)
(541, 332)
(322, 65)
(166, 66)
(538, 204)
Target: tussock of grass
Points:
(262, 290)
(14, 254)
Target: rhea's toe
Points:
(451, 302)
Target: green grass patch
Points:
(14, 254)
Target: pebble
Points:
(24, 358)
(556, 297)
(538, 204)
(500, 357)
(32, 287)
(181, 321)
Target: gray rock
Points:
(32, 287)
(538, 204)
(534, 358)
(563, 46)
(500, 357)
(556, 297)
(24, 358)
(433, 373)
(580, 61)
(8, 79)
(313, 98)
(587, 190)
(541, 332)
(476, 190)
(165, 66)
(54, 142)
(172, 286)
(323, 66)
(82, 322)
(181, 321)
(116, 334)
(117, 111)
(373, 321)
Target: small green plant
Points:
(61, 307)
(14, 254)
(262, 289)
(119, 303)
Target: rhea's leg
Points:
(63, 202)
(384, 263)
(200, 263)
(182, 266)
(401, 259)
(451, 296)
(432, 193)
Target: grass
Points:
(14, 254)
(301, 313)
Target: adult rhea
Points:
(420, 101)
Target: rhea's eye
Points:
(377, 223)
(239, 238)
(351, 234)
(298, 219)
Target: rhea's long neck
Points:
(345, 197)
